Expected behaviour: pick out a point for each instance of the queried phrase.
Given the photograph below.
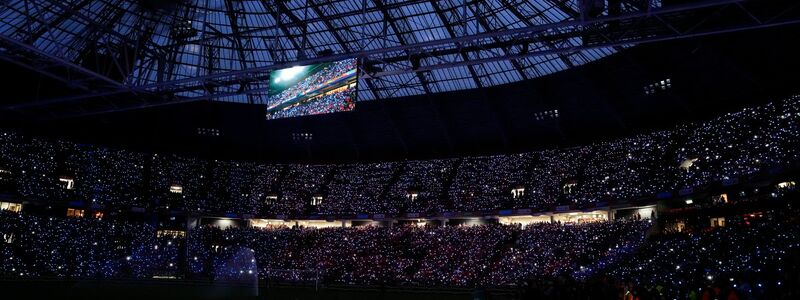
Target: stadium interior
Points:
(389, 149)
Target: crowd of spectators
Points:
(171, 171)
(485, 183)
(740, 143)
(629, 168)
(726, 148)
(37, 169)
(554, 177)
(35, 246)
(481, 255)
(299, 184)
(420, 186)
(248, 182)
(334, 101)
(753, 261)
(749, 258)
(357, 188)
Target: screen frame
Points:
(271, 109)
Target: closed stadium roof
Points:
(173, 51)
(163, 41)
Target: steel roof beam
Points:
(33, 36)
(334, 31)
(505, 50)
(88, 20)
(279, 25)
(452, 33)
(393, 23)
(478, 42)
(234, 22)
(601, 45)
(513, 9)
(319, 18)
(519, 33)
(10, 42)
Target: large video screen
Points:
(312, 90)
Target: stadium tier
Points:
(744, 258)
(689, 157)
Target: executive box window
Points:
(171, 233)
(412, 195)
(66, 182)
(271, 199)
(75, 213)
(316, 200)
(176, 189)
(10, 206)
(517, 192)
